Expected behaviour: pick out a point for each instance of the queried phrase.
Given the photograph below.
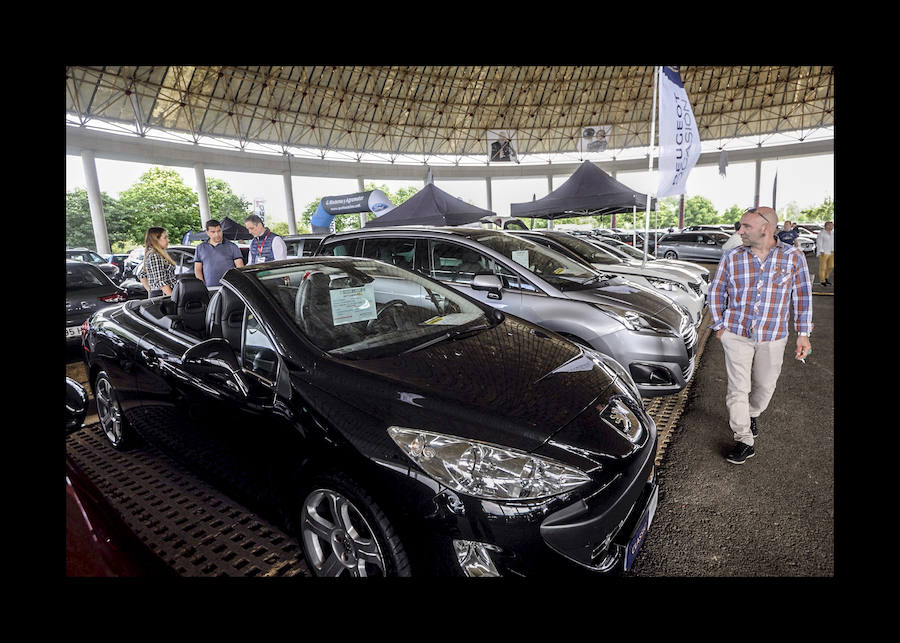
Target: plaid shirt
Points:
(751, 298)
(158, 271)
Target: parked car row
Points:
(423, 400)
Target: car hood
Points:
(660, 311)
(515, 384)
(650, 270)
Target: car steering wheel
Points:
(388, 305)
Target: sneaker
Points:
(822, 283)
(827, 283)
(740, 453)
(753, 428)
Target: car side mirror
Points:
(215, 357)
(490, 283)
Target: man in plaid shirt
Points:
(749, 299)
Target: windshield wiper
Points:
(450, 335)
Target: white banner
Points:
(502, 145)
(594, 138)
(679, 140)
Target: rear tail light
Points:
(114, 298)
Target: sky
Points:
(807, 181)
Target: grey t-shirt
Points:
(216, 260)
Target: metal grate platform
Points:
(199, 531)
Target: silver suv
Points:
(648, 334)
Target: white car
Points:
(634, 254)
(673, 284)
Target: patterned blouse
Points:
(158, 271)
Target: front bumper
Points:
(595, 532)
(659, 365)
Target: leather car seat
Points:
(231, 318)
(190, 298)
(313, 310)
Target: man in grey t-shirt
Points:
(215, 257)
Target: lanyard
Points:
(260, 246)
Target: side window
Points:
(340, 248)
(293, 248)
(397, 252)
(455, 263)
(258, 355)
(512, 280)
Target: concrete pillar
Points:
(490, 198)
(203, 194)
(756, 188)
(98, 219)
(362, 188)
(289, 201)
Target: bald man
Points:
(749, 301)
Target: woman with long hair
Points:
(158, 267)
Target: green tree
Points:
(80, 228)
(823, 212)
(732, 214)
(160, 198)
(699, 210)
(225, 203)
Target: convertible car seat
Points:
(231, 317)
(313, 310)
(190, 299)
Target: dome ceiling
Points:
(430, 111)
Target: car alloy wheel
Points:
(109, 412)
(337, 539)
(670, 254)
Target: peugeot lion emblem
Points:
(622, 419)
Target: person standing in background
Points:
(215, 257)
(265, 245)
(825, 252)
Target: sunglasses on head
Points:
(756, 211)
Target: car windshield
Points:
(363, 309)
(586, 250)
(84, 277)
(624, 250)
(85, 255)
(553, 267)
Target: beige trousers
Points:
(753, 369)
(826, 265)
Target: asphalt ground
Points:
(774, 515)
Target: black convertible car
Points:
(395, 425)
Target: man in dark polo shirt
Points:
(215, 257)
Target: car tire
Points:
(343, 531)
(670, 254)
(109, 411)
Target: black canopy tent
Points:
(589, 191)
(431, 206)
(230, 230)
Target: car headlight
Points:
(485, 470)
(667, 284)
(628, 318)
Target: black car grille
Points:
(695, 287)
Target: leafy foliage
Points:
(160, 198)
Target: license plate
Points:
(640, 532)
(73, 331)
